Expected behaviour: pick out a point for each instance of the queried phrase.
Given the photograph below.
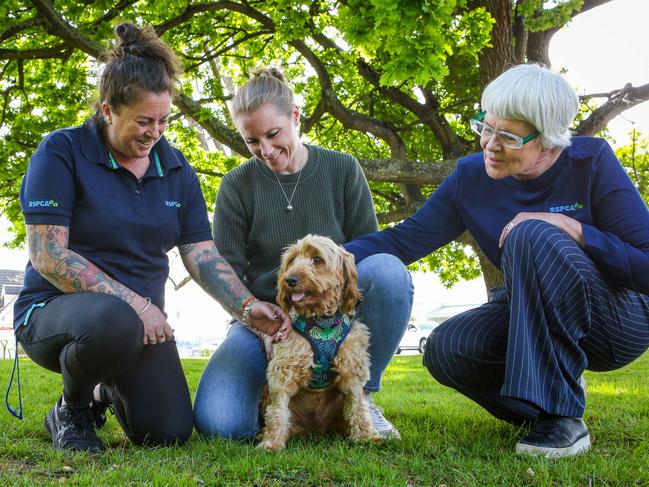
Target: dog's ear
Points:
(283, 298)
(351, 294)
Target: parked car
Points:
(415, 336)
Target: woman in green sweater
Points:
(285, 191)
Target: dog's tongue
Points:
(297, 297)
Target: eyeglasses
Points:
(507, 139)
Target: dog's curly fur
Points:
(325, 273)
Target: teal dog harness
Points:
(325, 335)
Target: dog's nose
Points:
(291, 280)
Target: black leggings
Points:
(94, 337)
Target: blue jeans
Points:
(229, 391)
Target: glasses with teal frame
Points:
(507, 139)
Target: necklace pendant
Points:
(289, 208)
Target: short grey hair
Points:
(267, 85)
(535, 95)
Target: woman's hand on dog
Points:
(271, 320)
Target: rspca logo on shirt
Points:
(43, 204)
(172, 204)
(566, 208)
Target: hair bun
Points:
(270, 72)
(127, 34)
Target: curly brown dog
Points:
(318, 285)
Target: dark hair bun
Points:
(127, 34)
(138, 62)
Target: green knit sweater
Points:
(252, 226)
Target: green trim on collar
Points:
(158, 164)
(112, 162)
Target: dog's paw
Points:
(269, 445)
(365, 434)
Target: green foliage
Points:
(446, 439)
(635, 159)
(543, 14)
(428, 51)
(451, 263)
(412, 41)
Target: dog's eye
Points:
(317, 259)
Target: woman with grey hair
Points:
(570, 232)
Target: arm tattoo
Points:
(64, 268)
(186, 249)
(218, 279)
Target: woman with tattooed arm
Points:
(103, 203)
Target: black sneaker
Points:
(72, 429)
(556, 436)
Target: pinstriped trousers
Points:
(522, 353)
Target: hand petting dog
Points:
(271, 320)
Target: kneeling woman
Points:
(563, 221)
(103, 204)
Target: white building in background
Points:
(199, 322)
(434, 302)
(10, 283)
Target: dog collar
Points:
(325, 335)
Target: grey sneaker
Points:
(383, 427)
(72, 429)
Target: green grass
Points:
(446, 440)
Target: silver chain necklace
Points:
(289, 206)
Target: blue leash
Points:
(16, 370)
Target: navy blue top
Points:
(586, 183)
(122, 225)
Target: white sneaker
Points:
(584, 385)
(383, 427)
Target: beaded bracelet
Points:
(147, 302)
(246, 307)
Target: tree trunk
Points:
(494, 60)
(493, 277)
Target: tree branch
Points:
(217, 130)
(538, 43)
(396, 215)
(316, 115)
(618, 101)
(19, 27)
(57, 26)
(214, 54)
(209, 173)
(409, 172)
(350, 118)
(192, 10)
(452, 146)
(113, 12)
(61, 51)
(590, 4)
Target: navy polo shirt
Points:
(123, 225)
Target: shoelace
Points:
(81, 421)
